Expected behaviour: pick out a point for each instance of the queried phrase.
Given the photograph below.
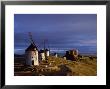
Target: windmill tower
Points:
(46, 50)
(31, 53)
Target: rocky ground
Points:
(84, 66)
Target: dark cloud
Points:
(62, 31)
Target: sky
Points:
(62, 32)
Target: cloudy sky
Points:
(61, 32)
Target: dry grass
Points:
(61, 67)
(83, 67)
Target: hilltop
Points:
(58, 66)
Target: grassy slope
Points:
(61, 67)
(83, 67)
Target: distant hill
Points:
(18, 55)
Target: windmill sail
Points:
(32, 42)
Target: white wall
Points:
(42, 56)
(36, 60)
(47, 53)
(32, 55)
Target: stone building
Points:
(31, 54)
(71, 55)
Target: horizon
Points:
(61, 32)
(57, 51)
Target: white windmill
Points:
(31, 53)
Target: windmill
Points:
(44, 42)
(31, 53)
(48, 45)
(46, 49)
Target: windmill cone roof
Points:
(46, 50)
(42, 51)
(32, 47)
